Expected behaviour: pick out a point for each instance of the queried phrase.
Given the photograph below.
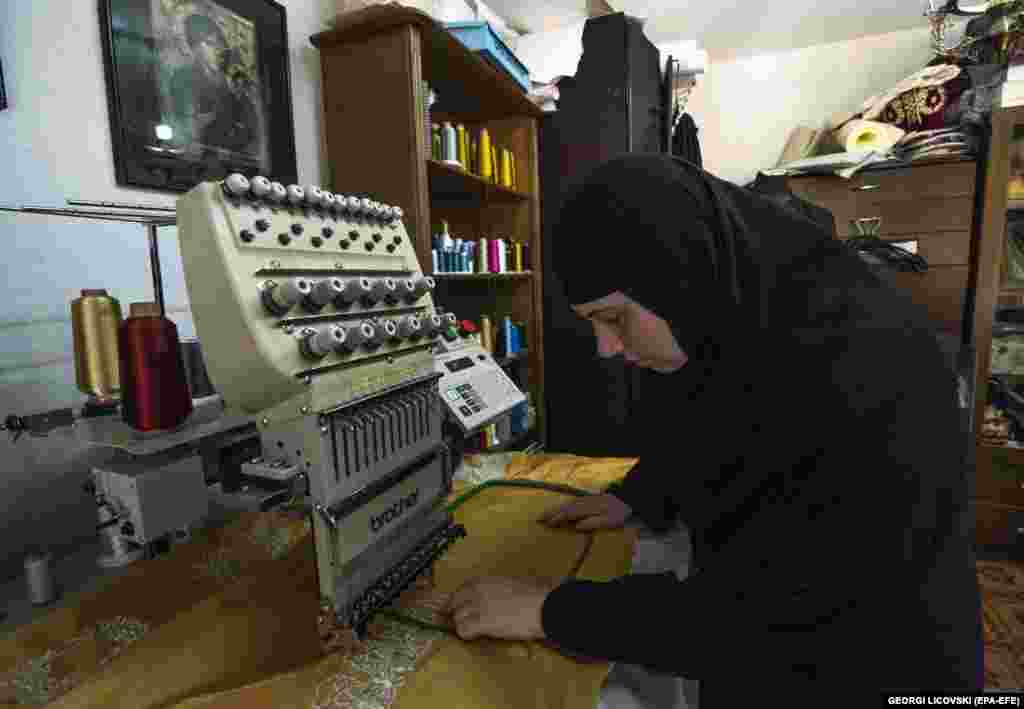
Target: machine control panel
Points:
(473, 386)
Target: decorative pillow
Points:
(919, 102)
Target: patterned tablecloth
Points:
(230, 619)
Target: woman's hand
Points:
(500, 607)
(592, 512)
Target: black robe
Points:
(813, 445)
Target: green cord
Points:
(533, 484)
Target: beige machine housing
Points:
(362, 421)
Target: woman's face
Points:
(623, 326)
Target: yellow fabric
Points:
(593, 474)
(246, 636)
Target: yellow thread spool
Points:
(486, 336)
(506, 168)
(484, 161)
(95, 321)
(460, 144)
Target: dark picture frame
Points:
(3, 92)
(198, 89)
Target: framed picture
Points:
(198, 89)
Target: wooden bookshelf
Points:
(375, 62)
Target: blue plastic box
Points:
(479, 37)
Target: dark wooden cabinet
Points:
(932, 207)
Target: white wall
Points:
(745, 108)
(55, 143)
(553, 52)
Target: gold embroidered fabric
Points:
(229, 620)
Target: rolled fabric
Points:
(858, 136)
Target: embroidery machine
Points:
(317, 321)
(320, 335)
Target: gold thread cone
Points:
(95, 320)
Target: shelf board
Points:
(451, 183)
(459, 75)
(1015, 454)
(511, 275)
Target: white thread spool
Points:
(39, 579)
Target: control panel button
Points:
(423, 286)
(297, 229)
(390, 330)
(327, 200)
(327, 232)
(355, 289)
(280, 296)
(432, 325)
(377, 238)
(354, 235)
(236, 185)
(410, 327)
(465, 411)
(397, 240)
(284, 239)
(295, 194)
(450, 333)
(380, 334)
(326, 291)
(262, 225)
(318, 343)
(343, 243)
(317, 241)
(399, 214)
(391, 248)
(278, 193)
(362, 334)
(313, 195)
(247, 236)
(259, 186)
(407, 290)
(369, 246)
(384, 289)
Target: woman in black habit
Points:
(808, 435)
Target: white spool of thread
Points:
(39, 579)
